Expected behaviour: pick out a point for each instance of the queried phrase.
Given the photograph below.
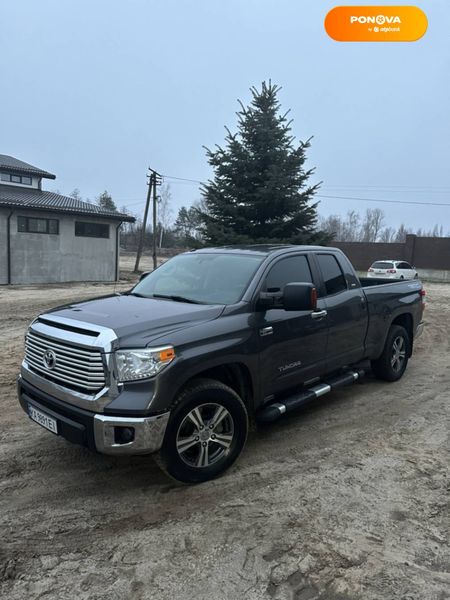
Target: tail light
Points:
(422, 294)
(371, 270)
(391, 271)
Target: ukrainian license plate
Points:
(43, 419)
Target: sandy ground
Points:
(346, 500)
(128, 261)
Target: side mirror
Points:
(268, 300)
(299, 296)
(142, 275)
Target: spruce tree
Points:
(260, 191)
(105, 201)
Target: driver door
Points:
(292, 343)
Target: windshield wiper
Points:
(135, 294)
(177, 298)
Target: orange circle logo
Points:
(376, 23)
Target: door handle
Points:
(319, 314)
(266, 331)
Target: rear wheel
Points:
(393, 361)
(206, 432)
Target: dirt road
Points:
(347, 500)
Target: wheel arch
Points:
(406, 321)
(235, 375)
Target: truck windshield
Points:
(203, 278)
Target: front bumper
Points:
(100, 432)
(148, 434)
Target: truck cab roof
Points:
(261, 249)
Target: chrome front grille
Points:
(71, 366)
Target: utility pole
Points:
(154, 223)
(144, 223)
(154, 180)
(157, 180)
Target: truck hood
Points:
(137, 321)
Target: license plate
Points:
(43, 419)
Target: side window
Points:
(35, 225)
(97, 230)
(288, 270)
(404, 265)
(332, 274)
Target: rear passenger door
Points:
(346, 308)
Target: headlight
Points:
(138, 364)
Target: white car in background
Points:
(392, 269)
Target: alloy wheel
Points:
(398, 355)
(205, 435)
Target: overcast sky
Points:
(97, 90)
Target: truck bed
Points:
(371, 281)
(384, 298)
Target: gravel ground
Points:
(346, 500)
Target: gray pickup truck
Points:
(212, 338)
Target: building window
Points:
(24, 179)
(97, 230)
(32, 225)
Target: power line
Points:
(183, 179)
(407, 202)
(400, 188)
(387, 201)
(384, 189)
(366, 185)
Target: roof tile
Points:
(9, 163)
(15, 197)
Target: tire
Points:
(194, 450)
(393, 361)
(401, 277)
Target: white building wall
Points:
(48, 258)
(3, 246)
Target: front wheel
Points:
(393, 361)
(206, 432)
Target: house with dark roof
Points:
(48, 238)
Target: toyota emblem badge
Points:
(49, 359)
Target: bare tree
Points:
(127, 227)
(370, 229)
(351, 227)
(75, 193)
(387, 235)
(332, 225)
(372, 224)
(400, 236)
(437, 231)
(346, 229)
(164, 211)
